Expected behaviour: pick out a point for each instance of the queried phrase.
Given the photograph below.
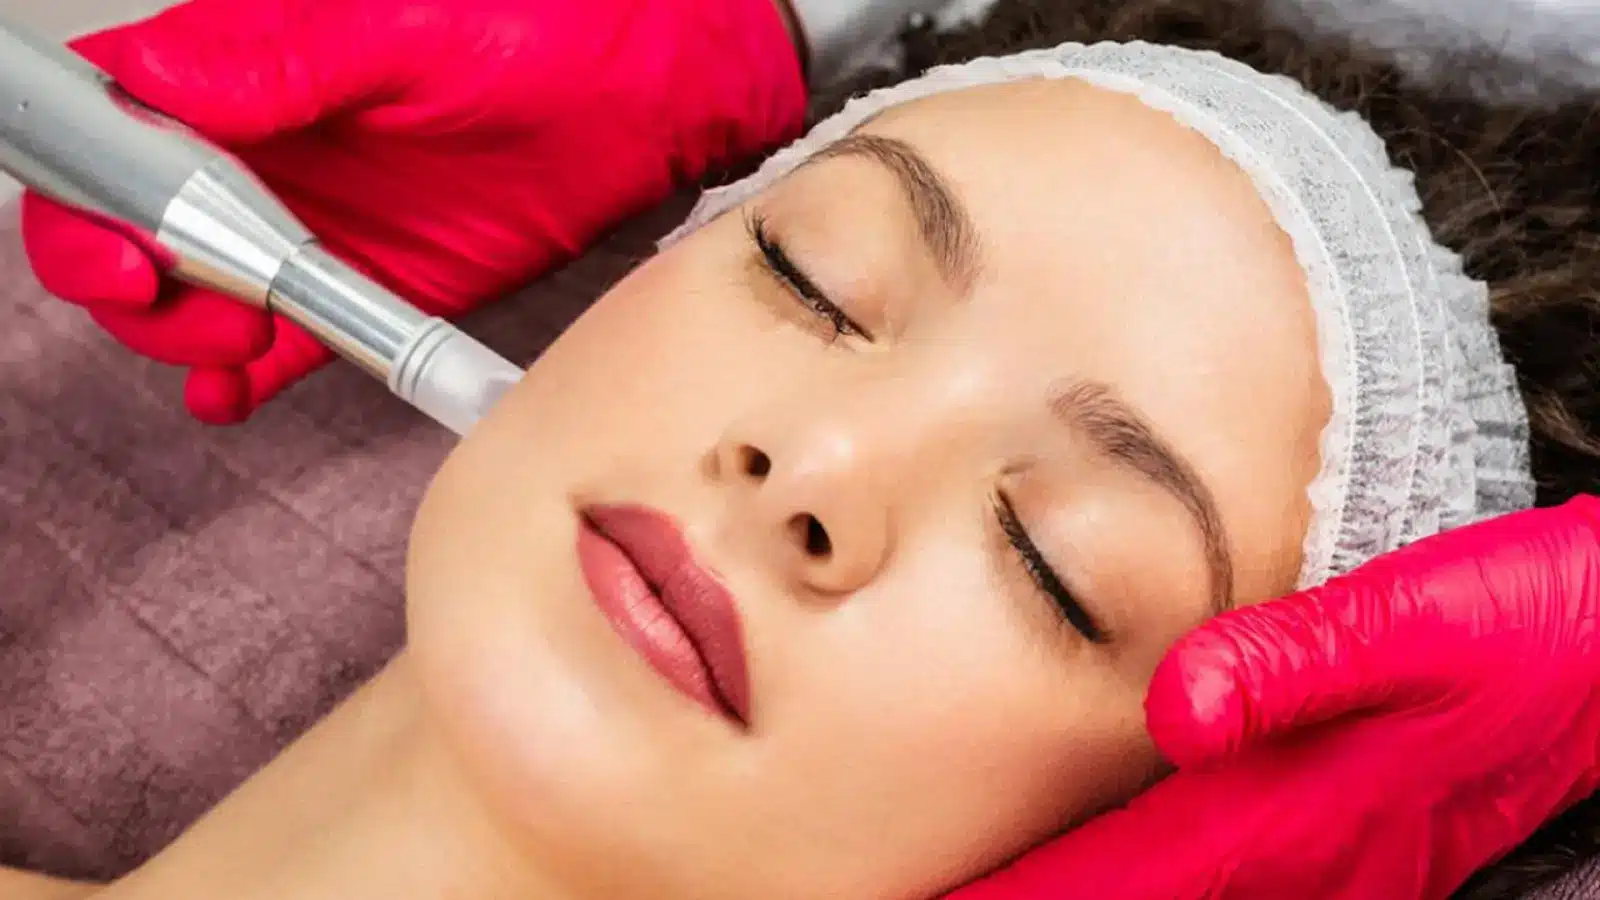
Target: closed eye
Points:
(776, 261)
(1045, 578)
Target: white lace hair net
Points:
(1427, 430)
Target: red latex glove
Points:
(453, 149)
(1464, 674)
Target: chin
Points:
(519, 670)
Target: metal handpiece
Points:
(69, 132)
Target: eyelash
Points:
(777, 262)
(1044, 577)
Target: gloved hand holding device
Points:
(1385, 735)
(452, 150)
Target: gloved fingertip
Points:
(132, 279)
(82, 262)
(218, 396)
(102, 48)
(124, 278)
(1196, 710)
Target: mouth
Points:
(666, 606)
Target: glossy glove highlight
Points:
(1385, 735)
(453, 150)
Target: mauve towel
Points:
(178, 602)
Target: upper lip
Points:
(691, 594)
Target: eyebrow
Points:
(942, 221)
(1120, 434)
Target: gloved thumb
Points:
(239, 73)
(1404, 629)
(227, 395)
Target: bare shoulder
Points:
(19, 885)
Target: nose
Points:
(817, 507)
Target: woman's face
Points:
(971, 417)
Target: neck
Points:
(367, 805)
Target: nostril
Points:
(811, 533)
(817, 543)
(755, 463)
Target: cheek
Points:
(665, 359)
(928, 719)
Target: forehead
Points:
(1098, 211)
(1121, 246)
(1063, 175)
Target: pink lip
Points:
(672, 611)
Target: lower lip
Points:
(638, 615)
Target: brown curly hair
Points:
(1514, 189)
